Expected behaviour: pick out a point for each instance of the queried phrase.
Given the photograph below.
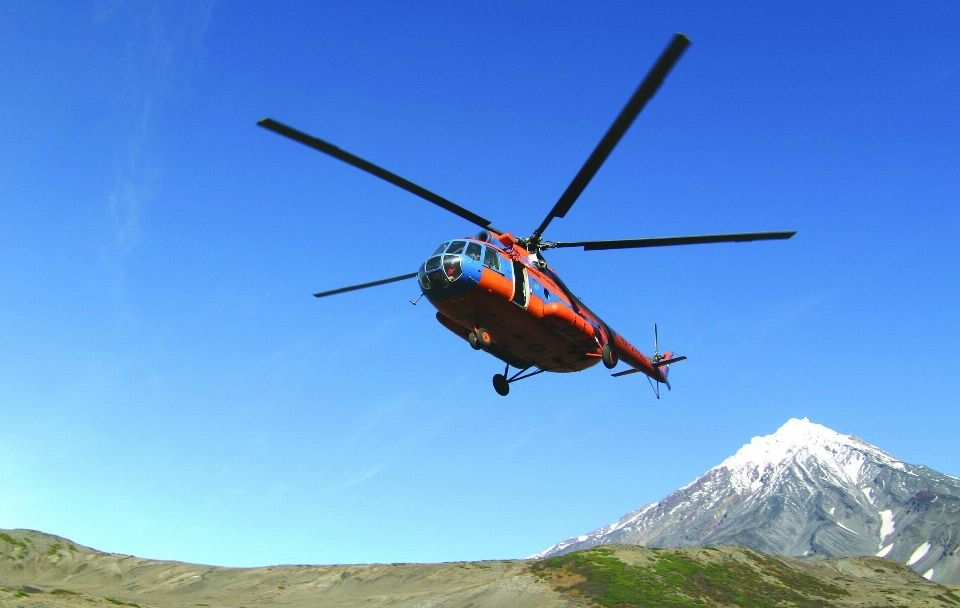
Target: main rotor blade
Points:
(641, 96)
(356, 161)
(677, 240)
(334, 292)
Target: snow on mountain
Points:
(805, 490)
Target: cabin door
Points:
(520, 291)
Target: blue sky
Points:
(170, 389)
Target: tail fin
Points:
(663, 364)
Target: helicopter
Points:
(496, 290)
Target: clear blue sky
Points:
(169, 388)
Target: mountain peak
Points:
(800, 438)
(798, 433)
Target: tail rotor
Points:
(661, 362)
(656, 345)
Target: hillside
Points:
(42, 571)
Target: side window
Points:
(440, 248)
(491, 259)
(457, 247)
(506, 266)
(473, 251)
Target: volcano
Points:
(805, 491)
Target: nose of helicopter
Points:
(440, 272)
(443, 274)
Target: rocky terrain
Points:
(42, 571)
(805, 491)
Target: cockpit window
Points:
(491, 259)
(441, 248)
(457, 247)
(432, 264)
(474, 251)
(451, 267)
(437, 279)
(440, 271)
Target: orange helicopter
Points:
(497, 292)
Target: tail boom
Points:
(629, 354)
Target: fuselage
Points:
(491, 282)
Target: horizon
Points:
(171, 389)
(581, 537)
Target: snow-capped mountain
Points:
(805, 490)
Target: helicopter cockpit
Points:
(448, 262)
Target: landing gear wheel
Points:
(483, 338)
(472, 339)
(501, 385)
(609, 356)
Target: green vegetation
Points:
(53, 550)
(11, 541)
(673, 579)
(114, 600)
(20, 594)
(63, 592)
